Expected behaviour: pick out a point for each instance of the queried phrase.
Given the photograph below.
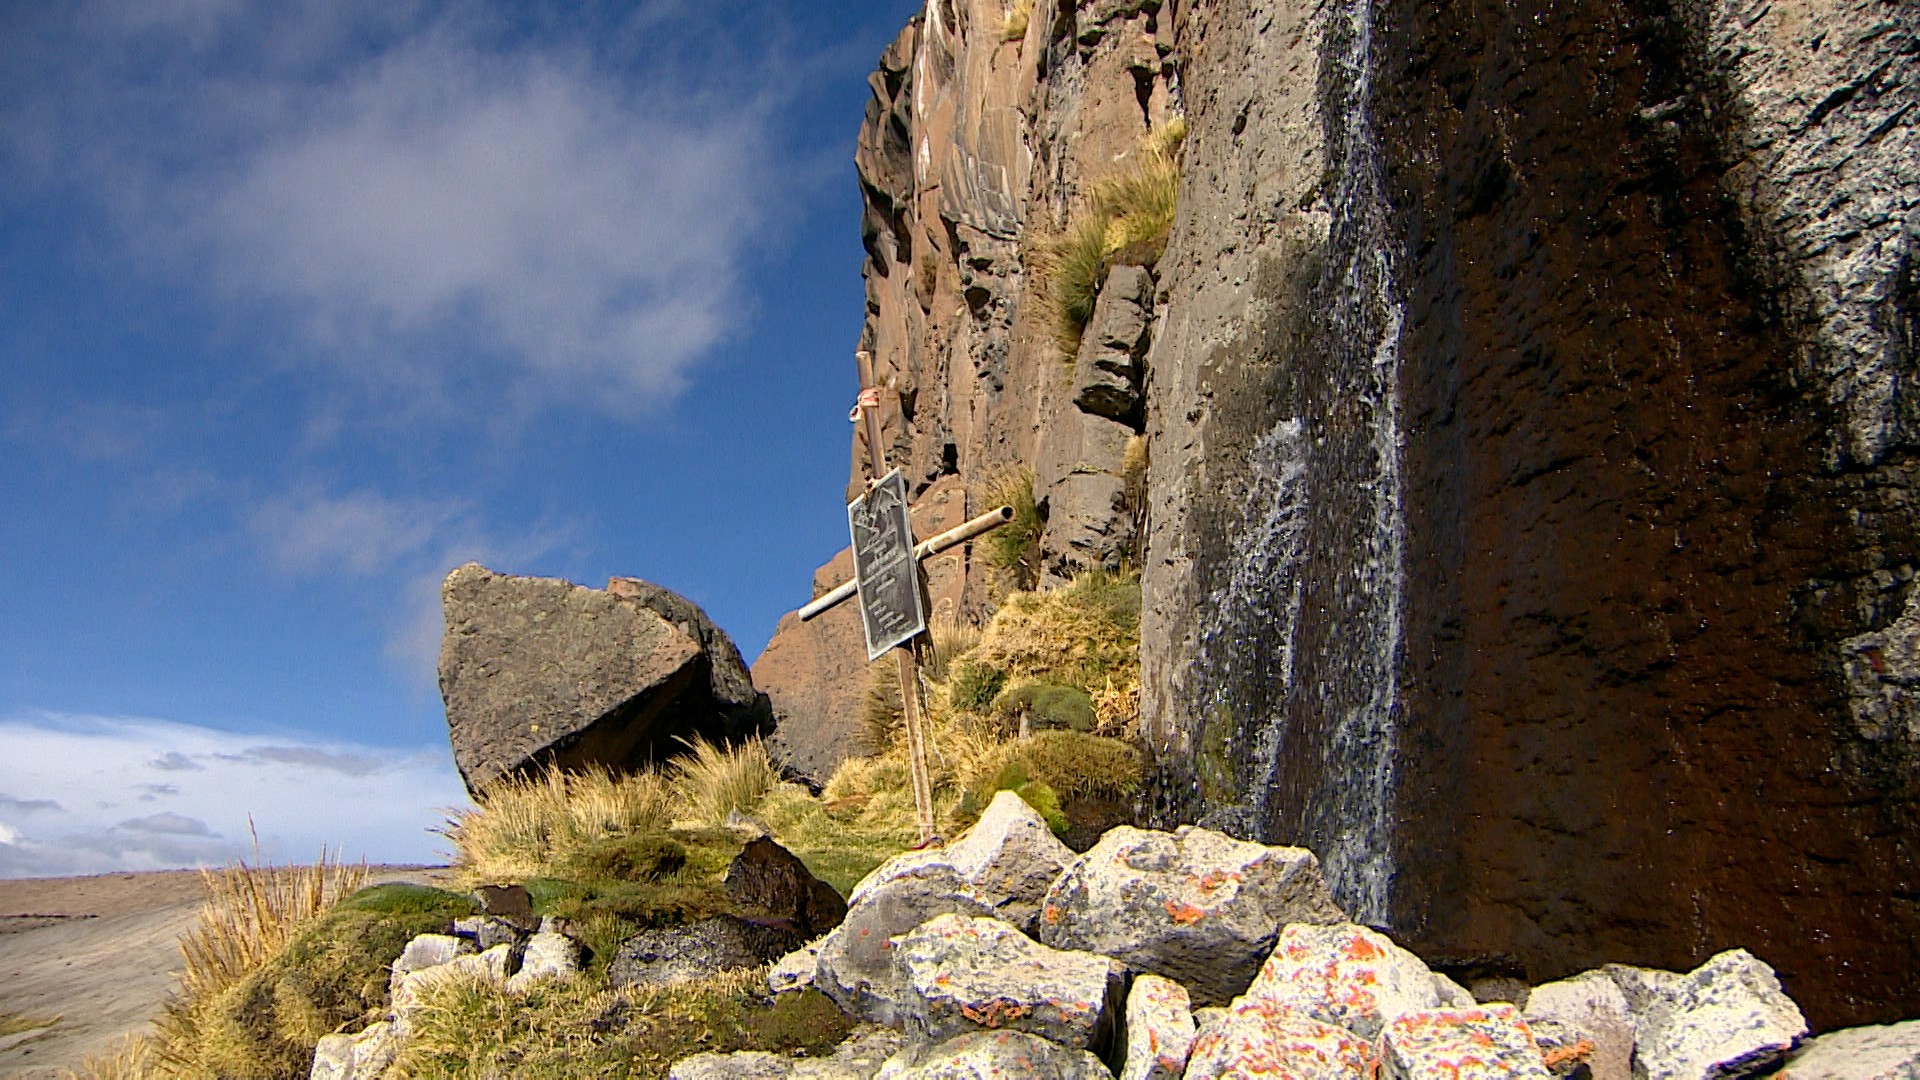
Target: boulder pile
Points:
(1153, 956)
(1159, 955)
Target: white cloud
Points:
(421, 196)
(360, 532)
(298, 795)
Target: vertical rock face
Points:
(1532, 521)
(1530, 517)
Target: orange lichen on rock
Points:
(1184, 914)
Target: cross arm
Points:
(927, 548)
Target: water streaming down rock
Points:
(1300, 636)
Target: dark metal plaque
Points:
(884, 567)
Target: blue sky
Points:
(303, 305)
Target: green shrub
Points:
(1073, 764)
(1013, 776)
(1046, 705)
(639, 857)
(973, 686)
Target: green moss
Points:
(401, 898)
(1046, 706)
(640, 857)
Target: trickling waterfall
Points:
(1301, 637)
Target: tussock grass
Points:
(523, 826)
(1014, 27)
(251, 913)
(1013, 548)
(1074, 764)
(711, 781)
(134, 1059)
(880, 714)
(1127, 219)
(1083, 634)
(12, 1023)
(468, 1028)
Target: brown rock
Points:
(766, 880)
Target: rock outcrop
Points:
(539, 671)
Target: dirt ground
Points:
(96, 956)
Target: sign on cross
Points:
(886, 566)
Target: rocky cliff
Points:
(1530, 522)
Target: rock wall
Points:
(1530, 523)
(1531, 519)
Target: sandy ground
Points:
(97, 955)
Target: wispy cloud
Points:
(426, 195)
(360, 532)
(82, 796)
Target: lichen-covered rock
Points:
(994, 1055)
(854, 964)
(360, 1056)
(1194, 905)
(546, 956)
(1591, 1007)
(1880, 1052)
(1007, 861)
(696, 951)
(1726, 1017)
(970, 974)
(1346, 975)
(740, 1065)
(1487, 1043)
(1258, 1040)
(1159, 1029)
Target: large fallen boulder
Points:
(539, 670)
(1194, 905)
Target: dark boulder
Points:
(767, 880)
(539, 670)
(698, 950)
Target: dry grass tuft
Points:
(1015, 26)
(525, 825)
(1083, 634)
(251, 913)
(134, 1059)
(1127, 219)
(711, 781)
(1013, 548)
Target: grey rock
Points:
(539, 670)
(546, 956)
(1108, 370)
(408, 991)
(969, 974)
(696, 951)
(1194, 905)
(1452, 994)
(1078, 482)
(740, 1065)
(728, 680)
(986, 1055)
(363, 1055)
(1159, 1030)
(1725, 1018)
(426, 951)
(854, 966)
(1880, 1052)
(1346, 975)
(1007, 861)
(1592, 1006)
(794, 971)
(488, 931)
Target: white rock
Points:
(1591, 1005)
(965, 974)
(547, 956)
(361, 1056)
(1007, 861)
(741, 1065)
(1724, 1018)
(1883, 1052)
(1160, 1029)
(795, 971)
(1194, 905)
(427, 951)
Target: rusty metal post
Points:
(909, 663)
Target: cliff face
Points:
(1531, 519)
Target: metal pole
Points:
(909, 666)
(925, 549)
